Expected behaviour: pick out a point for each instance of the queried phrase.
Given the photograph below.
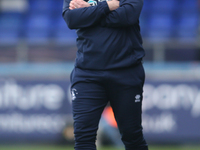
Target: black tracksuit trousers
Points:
(92, 90)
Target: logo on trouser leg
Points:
(74, 93)
(137, 98)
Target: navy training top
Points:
(106, 39)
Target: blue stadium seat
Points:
(37, 37)
(187, 26)
(144, 24)
(9, 37)
(146, 6)
(38, 27)
(10, 26)
(62, 34)
(160, 19)
(38, 20)
(41, 5)
(157, 18)
(162, 5)
(160, 26)
(57, 5)
(10, 20)
(188, 5)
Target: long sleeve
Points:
(127, 14)
(84, 17)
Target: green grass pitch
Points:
(54, 147)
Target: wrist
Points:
(113, 4)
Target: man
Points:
(108, 68)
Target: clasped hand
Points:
(74, 4)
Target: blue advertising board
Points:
(33, 110)
(38, 110)
(171, 111)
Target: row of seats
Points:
(160, 20)
(170, 5)
(168, 26)
(153, 5)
